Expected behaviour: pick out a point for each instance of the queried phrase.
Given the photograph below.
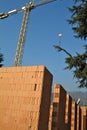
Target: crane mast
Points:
(21, 41)
(23, 31)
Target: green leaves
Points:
(77, 64)
(79, 19)
(1, 60)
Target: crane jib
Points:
(43, 2)
(30, 6)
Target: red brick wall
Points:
(21, 97)
(84, 118)
(78, 118)
(66, 114)
(74, 116)
(68, 111)
(59, 105)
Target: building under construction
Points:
(25, 94)
(25, 102)
(66, 114)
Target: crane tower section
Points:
(21, 41)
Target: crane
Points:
(23, 31)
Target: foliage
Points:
(78, 64)
(79, 22)
(79, 19)
(1, 60)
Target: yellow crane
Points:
(22, 36)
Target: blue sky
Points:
(45, 23)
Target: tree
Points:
(1, 60)
(79, 19)
(79, 62)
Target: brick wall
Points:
(59, 103)
(65, 113)
(68, 111)
(84, 118)
(24, 98)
